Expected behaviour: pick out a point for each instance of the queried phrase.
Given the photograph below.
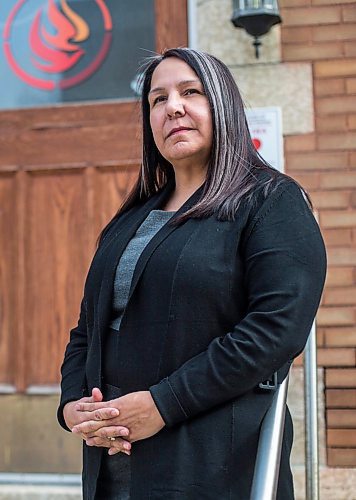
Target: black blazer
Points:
(214, 309)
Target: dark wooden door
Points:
(63, 173)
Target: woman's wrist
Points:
(68, 414)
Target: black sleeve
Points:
(73, 384)
(285, 265)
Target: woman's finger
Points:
(98, 441)
(115, 443)
(114, 451)
(89, 426)
(109, 432)
(89, 406)
(119, 445)
(102, 416)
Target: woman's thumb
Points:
(96, 395)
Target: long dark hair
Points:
(234, 163)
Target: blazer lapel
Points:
(113, 248)
(162, 234)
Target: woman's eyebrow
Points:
(155, 90)
(180, 84)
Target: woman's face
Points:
(180, 114)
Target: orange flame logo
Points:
(58, 51)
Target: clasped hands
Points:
(127, 419)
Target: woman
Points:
(204, 284)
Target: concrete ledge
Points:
(335, 484)
(30, 492)
(38, 479)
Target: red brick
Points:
(339, 276)
(320, 337)
(349, 14)
(338, 180)
(341, 419)
(331, 86)
(337, 104)
(339, 256)
(352, 159)
(311, 52)
(341, 398)
(351, 121)
(351, 85)
(317, 160)
(333, 356)
(337, 237)
(301, 142)
(311, 15)
(330, 123)
(353, 202)
(296, 34)
(293, 3)
(337, 218)
(347, 140)
(340, 337)
(342, 457)
(340, 377)
(336, 67)
(309, 181)
(330, 2)
(344, 296)
(331, 199)
(349, 49)
(336, 316)
(343, 438)
(339, 32)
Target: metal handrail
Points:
(266, 473)
(311, 418)
(265, 478)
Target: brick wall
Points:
(323, 33)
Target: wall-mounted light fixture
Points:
(256, 17)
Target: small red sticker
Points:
(257, 143)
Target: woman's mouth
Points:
(178, 130)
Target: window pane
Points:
(72, 50)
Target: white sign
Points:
(265, 126)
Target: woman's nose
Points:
(175, 106)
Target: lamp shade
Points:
(255, 16)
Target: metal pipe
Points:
(265, 478)
(192, 25)
(311, 418)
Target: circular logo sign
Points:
(61, 51)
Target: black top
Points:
(214, 309)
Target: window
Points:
(72, 50)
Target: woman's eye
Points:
(158, 99)
(192, 91)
